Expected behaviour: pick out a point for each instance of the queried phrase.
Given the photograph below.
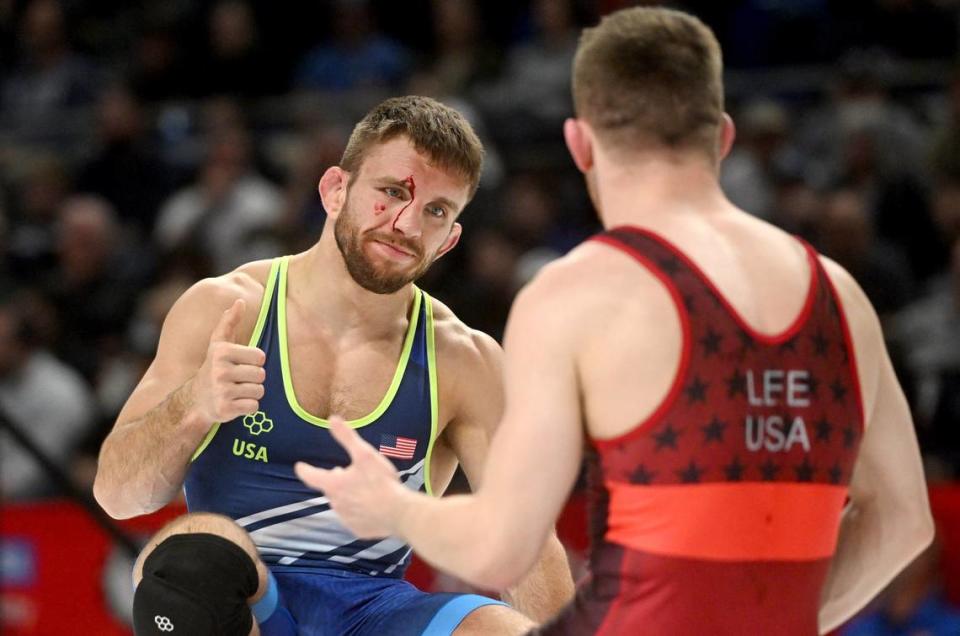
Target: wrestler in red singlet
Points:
(727, 499)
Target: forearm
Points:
(439, 529)
(547, 587)
(872, 549)
(143, 462)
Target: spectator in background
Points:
(762, 152)
(50, 78)
(484, 295)
(462, 58)
(236, 64)
(44, 398)
(304, 216)
(124, 168)
(533, 96)
(40, 190)
(358, 56)
(94, 285)
(946, 140)
(157, 70)
(796, 206)
(846, 235)
(946, 206)
(230, 213)
(928, 332)
(865, 140)
(912, 605)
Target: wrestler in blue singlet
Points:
(329, 582)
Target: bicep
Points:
(888, 464)
(470, 434)
(535, 455)
(181, 350)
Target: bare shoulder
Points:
(462, 347)
(588, 286)
(200, 307)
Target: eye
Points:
(437, 211)
(396, 193)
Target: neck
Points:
(319, 278)
(653, 189)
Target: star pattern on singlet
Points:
(667, 438)
(839, 391)
(805, 470)
(711, 342)
(737, 384)
(713, 432)
(697, 390)
(824, 429)
(717, 427)
(820, 343)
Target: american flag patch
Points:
(398, 447)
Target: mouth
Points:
(393, 251)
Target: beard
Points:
(366, 273)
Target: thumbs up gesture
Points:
(230, 381)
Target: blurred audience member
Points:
(230, 213)
(95, 284)
(157, 69)
(483, 298)
(44, 398)
(796, 206)
(859, 105)
(847, 236)
(358, 56)
(50, 78)
(930, 338)
(946, 206)
(533, 96)
(462, 58)
(304, 215)
(124, 169)
(236, 64)
(39, 192)
(761, 153)
(912, 605)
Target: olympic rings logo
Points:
(163, 623)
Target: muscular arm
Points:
(144, 459)
(531, 466)
(887, 522)
(548, 586)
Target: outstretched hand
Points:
(367, 494)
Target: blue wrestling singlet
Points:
(329, 581)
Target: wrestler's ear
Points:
(579, 140)
(452, 239)
(333, 189)
(728, 133)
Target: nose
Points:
(407, 220)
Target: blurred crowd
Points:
(146, 145)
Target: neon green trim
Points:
(434, 399)
(254, 339)
(285, 360)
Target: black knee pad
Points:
(195, 584)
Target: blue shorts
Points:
(342, 603)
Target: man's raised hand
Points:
(367, 494)
(230, 381)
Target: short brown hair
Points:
(436, 130)
(650, 75)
